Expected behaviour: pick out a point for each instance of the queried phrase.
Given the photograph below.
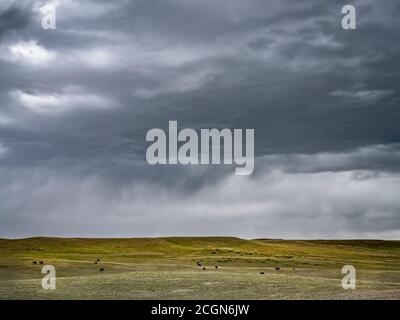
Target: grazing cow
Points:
(41, 262)
(199, 264)
(204, 268)
(34, 262)
(95, 262)
(98, 260)
(102, 269)
(261, 272)
(277, 268)
(216, 267)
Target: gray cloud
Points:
(279, 204)
(13, 19)
(77, 103)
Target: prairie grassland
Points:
(167, 268)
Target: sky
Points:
(77, 102)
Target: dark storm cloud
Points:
(13, 19)
(77, 103)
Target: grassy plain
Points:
(167, 268)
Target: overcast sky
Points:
(76, 103)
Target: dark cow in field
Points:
(102, 269)
(34, 262)
(277, 268)
(216, 267)
(198, 264)
(41, 262)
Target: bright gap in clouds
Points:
(30, 52)
(61, 102)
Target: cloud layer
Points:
(77, 103)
